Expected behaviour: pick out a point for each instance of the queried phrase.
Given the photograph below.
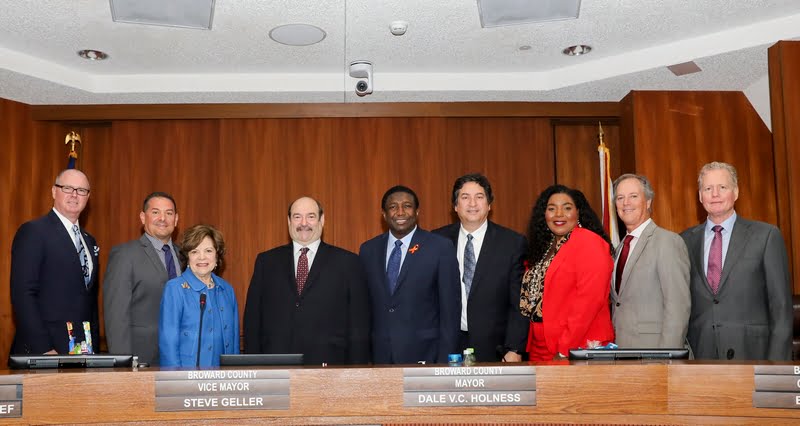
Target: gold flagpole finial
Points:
(600, 133)
(71, 139)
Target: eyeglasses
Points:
(71, 190)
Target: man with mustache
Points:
(414, 286)
(54, 268)
(134, 281)
(308, 297)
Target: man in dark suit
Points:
(492, 271)
(413, 282)
(308, 297)
(54, 273)
(650, 288)
(741, 293)
(135, 278)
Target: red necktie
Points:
(714, 272)
(302, 270)
(623, 257)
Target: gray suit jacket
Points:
(653, 304)
(750, 317)
(132, 288)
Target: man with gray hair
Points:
(741, 293)
(650, 286)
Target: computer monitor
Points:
(69, 361)
(260, 359)
(631, 353)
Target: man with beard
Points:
(308, 297)
(414, 286)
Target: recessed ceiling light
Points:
(297, 34)
(525, 47)
(580, 49)
(92, 55)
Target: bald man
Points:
(54, 273)
(308, 297)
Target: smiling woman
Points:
(566, 283)
(199, 314)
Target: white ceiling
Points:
(444, 56)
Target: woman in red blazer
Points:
(567, 279)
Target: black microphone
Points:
(200, 330)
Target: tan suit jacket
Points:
(654, 302)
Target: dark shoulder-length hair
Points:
(539, 235)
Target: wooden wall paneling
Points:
(367, 162)
(577, 162)
(784, 66)
(337, 110)
(675, 133)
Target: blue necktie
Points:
(469, 264)
(82, 255)
(169, 262)
(393, 268)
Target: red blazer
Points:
(576, 286)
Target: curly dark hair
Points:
(539, 235)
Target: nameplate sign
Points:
(469, 386)
(11, 396)
(776, 386)
(208, 390)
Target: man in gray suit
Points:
(741, 293)
(650, 286)
(135, 278)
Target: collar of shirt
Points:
(636, 233)
(477, 242)
(313, 248)
(727, 225)
(403, 249)
(67, 224)
(158, 244)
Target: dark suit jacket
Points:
(328, 323)
(420, 320)
(493, 316)
(750, 317)
(132, 289)
(47, 287)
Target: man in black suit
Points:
(413, 281)
(308, 297)
(54, 273)
(491, 273)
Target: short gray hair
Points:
(717, 165)
(649, 194)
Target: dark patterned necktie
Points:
(393, 268)
(302, 270)
(169, 262)
(714, 272)
(469, 264)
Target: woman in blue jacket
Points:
(198, 298)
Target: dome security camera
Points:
(362, 70)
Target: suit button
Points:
(730, 354)
(391, 309)
(716, 302)
(617, 304)
(297, 305)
